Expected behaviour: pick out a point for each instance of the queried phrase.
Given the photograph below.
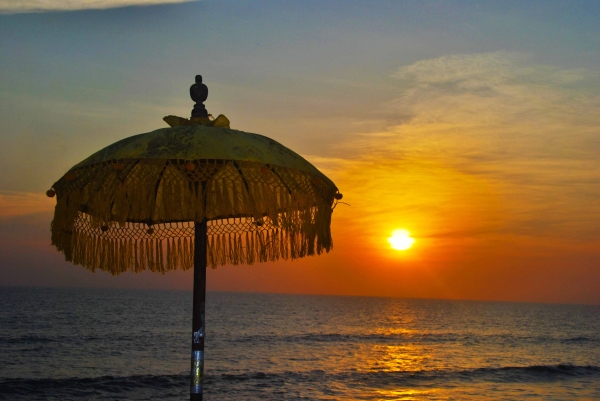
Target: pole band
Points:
(197, 371)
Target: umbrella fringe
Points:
(255, 215)
(121, 255)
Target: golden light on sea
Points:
(401, 240)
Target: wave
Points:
(307, 338)
(376, 379)
(525, 375)
(28, 339)
(82, 387)
(578, 340)
(553, 370)
(411, 337)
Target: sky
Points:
(474, 125)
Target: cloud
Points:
(31, 6)
(14, 203)
(490, 145)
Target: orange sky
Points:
(481, 141)
(497, 212)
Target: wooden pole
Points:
(198, 327)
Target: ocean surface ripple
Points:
(106, 344)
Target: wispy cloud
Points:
(32, 6)
(14, 203)
(490, 144)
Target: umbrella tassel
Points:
(146, 257)
(156, 245)
(190, 259)
(91, 251)
(257, 246)
(223, 249)
(114, 260)
(211, 251)
(180, 248)
(275, 244)
(171, 260)
(158, 250)
(118, 255)
(241, 250)
(219, 248)
(127, 265)
(311, 243)
(187, 258)
(149, 255)
(75, 250)
(131, 259)
(295, 245)
(177, 250)
(229, 252)
(85, 249)
(270, 243)
(232, 249)
(106, 254)
(136, 259)
(171, 252)
(141, 255)
(245, 247)
(160, 265)
(91, 260)
(98, 246)
(121, 253)
(215, 249)
(236, 250)
(253, 246)
(153, 252)
(185, 255)
(261, 247)
(101, 246)
(107, 260)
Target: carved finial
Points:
(199, 94)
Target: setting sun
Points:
(401, 240)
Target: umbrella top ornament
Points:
(133, 205)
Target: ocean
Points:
(108, 344)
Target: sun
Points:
(401, 240)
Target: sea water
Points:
(107, 344)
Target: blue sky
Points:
(491, 105)
(263, 61)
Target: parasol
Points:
(197, 194)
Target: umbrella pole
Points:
(198, 328)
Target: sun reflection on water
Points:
(398, 358)
(395, 332)
(404, 395)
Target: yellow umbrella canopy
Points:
(132, 205)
